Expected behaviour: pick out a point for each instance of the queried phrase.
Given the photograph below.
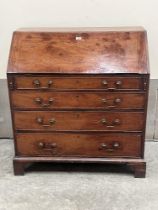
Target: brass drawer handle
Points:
(104, 100)
(39, 120)
(41, 145)
(117, 122)
(46, 146)
(116, 145)
(42, 104)
(118, 84)
(104, 146)
(112, 148)
(105, 83)
(111, 125)
(115, 102)
(37, 84)
(104, 121)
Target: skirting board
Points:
(152, 117)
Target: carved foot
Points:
(19, 168)
(139, 169)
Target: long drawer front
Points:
(76, 100)
(56, 83)
(70, 144)
(62, 120)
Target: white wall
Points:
(50, 13)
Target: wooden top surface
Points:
(79, 51)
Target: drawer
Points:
(75, 144)
(62, 120)
(56, 83)
(75, 100)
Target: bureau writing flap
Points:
(84, 50)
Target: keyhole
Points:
(78, 38)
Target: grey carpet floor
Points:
(56, 190)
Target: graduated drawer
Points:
(62, 120)
(89, 145)
(56, 83)
(75, 100)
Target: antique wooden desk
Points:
(79, 95)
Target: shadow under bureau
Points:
(79, 95)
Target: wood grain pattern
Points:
(85, 145)
(63, 85)
(78, 52)
(25, 100)
(138, 165)
(58, 83)
(28, 120)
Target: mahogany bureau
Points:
(79, 95)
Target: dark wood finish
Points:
(80, 83)
(132, 163)
(77, 100)
(18, 167)
(85, 145)
(139, 169)
(80, 52)
(79, 95)
(59, 120)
